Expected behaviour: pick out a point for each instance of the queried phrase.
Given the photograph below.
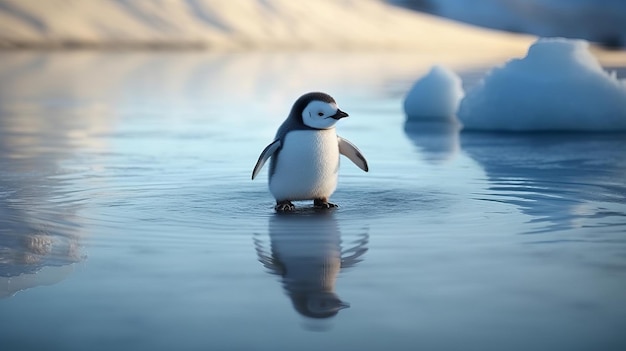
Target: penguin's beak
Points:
(339, 115)
(343, 305)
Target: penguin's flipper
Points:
(265, 155)
(348, 149)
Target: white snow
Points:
(435, 96)
(239, 24)
(558, 86)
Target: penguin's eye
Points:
(320, 114)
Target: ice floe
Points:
(558, 86)
(435, 96)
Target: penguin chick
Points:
(305, 153)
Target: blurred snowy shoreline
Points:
(289, 25)
(239, 25)
(274, 26)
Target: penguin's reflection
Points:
(307, 253)
(438, 141)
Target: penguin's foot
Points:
(284, 206)
(323, 204)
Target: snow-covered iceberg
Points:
(558, 86)
(435, 96)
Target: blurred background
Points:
(288, 24)
(601, 21)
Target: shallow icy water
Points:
(128, 219)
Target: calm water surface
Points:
(128, 220)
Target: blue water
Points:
(128, 220)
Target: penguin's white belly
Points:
(307, 166)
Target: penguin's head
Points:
(317, 110)
(318, 304)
